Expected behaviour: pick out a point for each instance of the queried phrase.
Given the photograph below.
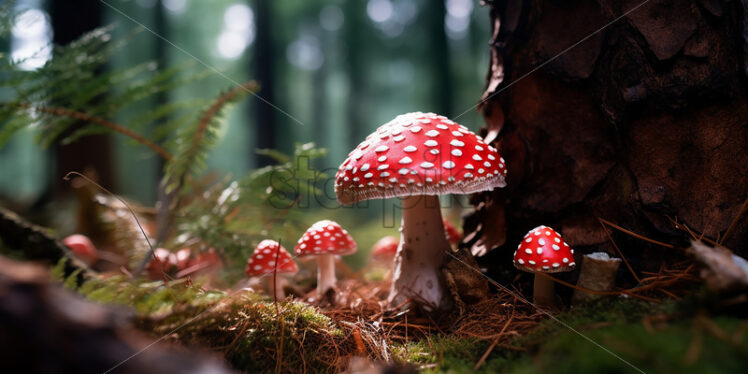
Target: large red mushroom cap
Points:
(543, 250)
(325, 238)
(82, 247)
(263, 260)
(453, 236)
(419, 154)
(385, 249)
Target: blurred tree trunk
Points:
(643, 122)
(355, 40)
(70, 20)
(441, 84)
(263, 60)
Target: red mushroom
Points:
(269, 259)
(82, 247)
(202, 262)
(453, 236)
(181, 259)
(384, 249)
(325, 239)
(419, 156)
(160, 264)
(543, 251)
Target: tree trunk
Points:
(70, 20)
(264, 60)
(642, 122)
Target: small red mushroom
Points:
(384, 249)
(419, 156)
(82, 247)
(160, 264)
(325, 239)
(453, 236)
(181, 259)
(269, 259)
(543, 251)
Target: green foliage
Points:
(233, 215)
(146, 297)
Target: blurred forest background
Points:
(333, 70)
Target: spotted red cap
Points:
(419, 154)
(543, 250)
(264, 258)
(453, 236)
(385, 249)
(325, 238)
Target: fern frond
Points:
(194, 142)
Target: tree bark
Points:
(642, 122)
(71, 20)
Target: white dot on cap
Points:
(541, 241)
(427, 165)
(441, 127)
(399, 138)
(528, 240)
(555, 247)
(456, 152)
(477, 157)
(384, 174)
(302, 246)
(565, 260)
(381, 148)
(258, 267)
(469, 167)
(405, 160)
(491, 157)
(383, 167)
(430, 143)
(456, 143)
(410, 148)
(481, 171)
(432, 133)
(365, 167)
(403, 171)
(368, 175)
(521, 261)
(448, 164)
(528, 251)
(258, 257)
(468, 175)
(382, 158)
(531, 262)
(540, 251)
(456, 133)
(415, 129)
(556, 264)
(434, 151)
(478, 148)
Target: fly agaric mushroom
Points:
(384, 249)
(161, 263)
(543, 251)
(453, 236)
(417, 157)
(325, 239)
(82, 247)
(270, 259)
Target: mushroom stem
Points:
(543, 292)
(420, 254)
(275, 288)
(325, 273)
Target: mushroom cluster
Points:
(419, 156)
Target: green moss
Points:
(683, 346)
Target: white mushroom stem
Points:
(325, 273)
(543, 292)
(275, 286)
(420, 255)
